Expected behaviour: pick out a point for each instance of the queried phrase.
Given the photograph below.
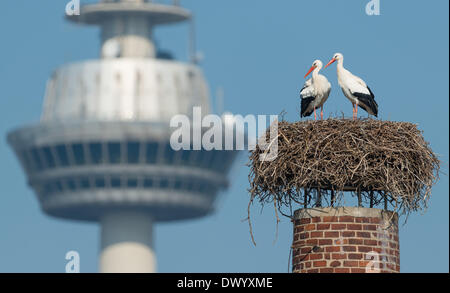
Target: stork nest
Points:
(381, 163)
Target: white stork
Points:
(354, 88)
(315, 91)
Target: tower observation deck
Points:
(101, 151)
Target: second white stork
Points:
(315, 91)
(354, 88)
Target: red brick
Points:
(299, 229)
(323, 226)
(340, 241)
(305, 250)
(348, 234)
(362, 220)
(333, 249)
(312, 242)
(316, 234)
(342, 270)
(314, 256)
(300, 243)
(325, 242)
(351, 263)
(363, 234)
(376, 249)
(365, 249)
(326, 271)
(305, 221)
(347, 219)
(339, 256)
(364, 263)
(308, 264)
(335, 263)
(355, 241)
(330, 219)
(354, 256)
(375, 220)
(310, 227)
(349, 248)
(304, 235)
(338, 226)
(320, 263)
(333, 234)
(354, 227)
(358, 271)
(316, 219)
(370, 227)
(312, 271)
(327, 256)
(370, 242)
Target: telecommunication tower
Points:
(101, 151)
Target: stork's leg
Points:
(315, 115)
(353, 109)
(356, 109)
(321, 113)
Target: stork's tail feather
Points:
(367, 102)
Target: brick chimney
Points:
(345, 240)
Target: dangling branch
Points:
(332, 197)
(319, 198)
(359, 197)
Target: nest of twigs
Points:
(322, 163)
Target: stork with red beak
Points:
(315, 91)
(354, 88)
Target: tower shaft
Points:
(126, 243)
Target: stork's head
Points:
(337, 57)
(316, 64)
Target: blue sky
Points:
(258, 51)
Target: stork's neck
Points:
(315, 73)
(340, 66)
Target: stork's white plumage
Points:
(315, 91)
(354, 88)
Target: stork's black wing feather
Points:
(370, 91)
(306, 101)
(367, 102)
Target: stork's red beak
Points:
(310, 70)
(331, 62)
